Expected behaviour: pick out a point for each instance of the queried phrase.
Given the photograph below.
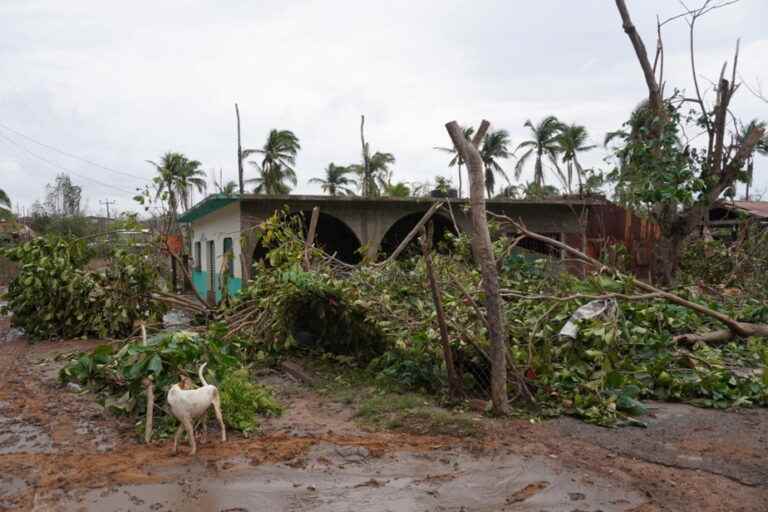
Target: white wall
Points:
(217, 226)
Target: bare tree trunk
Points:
(454, 381)
(482, 237)
(239, 153)
(654, 91)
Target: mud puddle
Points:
(10, 488)
(19, 436)
(335, 478)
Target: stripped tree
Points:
(662, 167)
(481, 243)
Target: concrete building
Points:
(351, 226)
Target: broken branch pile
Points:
(600, 375)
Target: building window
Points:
(212, 263)
(230, 255)
(198, 257)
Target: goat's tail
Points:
(200, 373)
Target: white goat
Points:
(188, 404)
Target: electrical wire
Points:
(70, 155)
(61, 168)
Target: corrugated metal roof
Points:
(756, 208)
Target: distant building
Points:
(726, 217)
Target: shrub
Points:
(53, 296)
(243, 401)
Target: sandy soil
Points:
(59, 451)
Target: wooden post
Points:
(174, 276)
(484, 248)
(150, 388)
(310, 236)
(454, 381)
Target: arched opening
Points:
(399, 230)
(332, 236)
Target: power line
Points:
(61, 168)
(71, 155)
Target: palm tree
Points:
(543, 142)
(457, 160)
(176, 177)
(760, 148)
(191, 178)
(4, 201)
(495, 146)
(336, 181)
(229, 188)
(398, 189)
(572, 140)
(379, 173)
(279, 157)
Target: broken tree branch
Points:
(454, 380)
(309, 242)
(736, 328)
(415, 231)
(580, 296)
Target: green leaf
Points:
(155, 364)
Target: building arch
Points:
(332, 235)
(400, 228)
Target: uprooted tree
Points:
(662, 167)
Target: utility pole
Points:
(107, 203)
(239, 153)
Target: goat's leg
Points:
(217, 410)
(190, 433)
(204, 421)
(176, 437)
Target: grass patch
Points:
(415, 414)
(383, 405)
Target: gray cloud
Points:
(120, 83)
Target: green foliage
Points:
(601, 376)
(416, 365)
(707, 260)
(614, 363)
(740, 264)
(54, 296)
(310, 311)
(654, 167)
(118, 374)
(244, 401)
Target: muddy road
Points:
(60, 452)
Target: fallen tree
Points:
(735, 328)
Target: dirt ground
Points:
(59, 451)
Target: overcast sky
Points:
(119, 83)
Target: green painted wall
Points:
(201, 280)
